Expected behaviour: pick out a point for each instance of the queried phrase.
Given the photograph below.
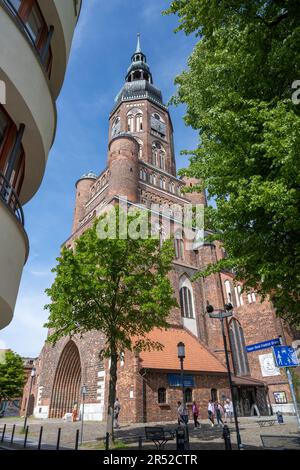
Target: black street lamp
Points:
(181, 357)
(221, 314)
(83, 393)
(32, 375)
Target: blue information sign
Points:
(285, 356)
(174, 380)
(263, 345)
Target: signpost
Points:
(263, 345)
(285, 356)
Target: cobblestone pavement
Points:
(93, 436)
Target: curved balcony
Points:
(14, 249)
(28, 100)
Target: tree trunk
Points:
(112, 394)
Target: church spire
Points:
(138, 46)
(138, 69)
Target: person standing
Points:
(180, 412)
(195, 411)
(75, 413)
(117, 408)
(218, 412)
(230, 409)
(211, 412)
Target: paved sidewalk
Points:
(94, 432)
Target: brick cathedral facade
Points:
(141, 167)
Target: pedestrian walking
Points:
(117, 408)
(211, 412)
(182, 413)
(219, 412)
(195, 411)
(229, 409)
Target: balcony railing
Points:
(42, 54)
(10, 198)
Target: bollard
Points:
(77, 439)
(26, 435)
(12, 434)
(140, 442)
(58, 438)
(107, 441)
(226, 437)
(180, 439)
(40, 438)
(3, 433)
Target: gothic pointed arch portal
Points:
(67, 381)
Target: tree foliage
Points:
(12, 376)
(115, 285)
(238, 89)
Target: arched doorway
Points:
(67, 380)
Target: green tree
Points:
(116, 284)
(238, 91)
(12, 376)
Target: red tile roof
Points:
(197, 356)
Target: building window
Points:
(238, 296)
(8, 135)
(186, 298)
(214, 394)
(251, 297)
(36, 27)
(162, 396)
(139, 123)
(158, 155)
(228, 291)
(188, 392)
(179, 246)
(238, 348)
(130, 123)
(116, 126)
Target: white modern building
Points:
(35, 43)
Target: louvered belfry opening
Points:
(67, 381)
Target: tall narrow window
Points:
(139, 123)
(238, 296)
(228, 291)
(238, 348)
(162, 396)
(188, 392)
(130, 123)
(186, 298)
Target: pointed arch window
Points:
(238, 348)
(158, 155)
(186, 298)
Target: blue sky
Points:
(104, 41)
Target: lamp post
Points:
(181, 357)
(221, 314)
(32, 375)
(83, 393)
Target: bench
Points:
(159, 436)
(266, 422)
(280, 442)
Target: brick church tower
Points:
(141, 167)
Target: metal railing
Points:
(10, 198)
(13, 12)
